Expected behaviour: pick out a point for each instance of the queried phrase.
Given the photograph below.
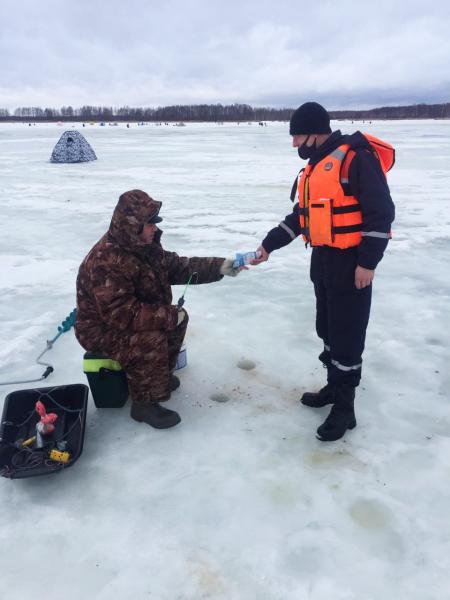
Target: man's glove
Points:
(227, 268)
(181, 316)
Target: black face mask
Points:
(305, 152)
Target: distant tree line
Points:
(415, 111)
(197, 112)
(213, 112)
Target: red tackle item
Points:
(47, 419)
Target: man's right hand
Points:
(263, 256)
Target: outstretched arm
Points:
(181, 268)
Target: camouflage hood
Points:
(133, 210)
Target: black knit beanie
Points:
(310, 118)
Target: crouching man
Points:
(124, 303)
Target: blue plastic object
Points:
(244, 259)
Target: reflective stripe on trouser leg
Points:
(345, 368)
(348, 316)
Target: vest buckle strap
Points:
(343, 210)
(347, 229)
(304, 231)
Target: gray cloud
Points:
(279, 53)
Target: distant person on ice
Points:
(124, 303)
(343, 209)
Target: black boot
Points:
(341, 417)
(154, 415)
(321, 398)
(174, 382)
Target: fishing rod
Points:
(181, 298)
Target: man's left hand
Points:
(228, 269)
(363, 277)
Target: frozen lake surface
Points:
(240, 501)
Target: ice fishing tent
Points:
(72, 147)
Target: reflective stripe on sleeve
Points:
(376, 234)
(344, 368)
(327, 348)
(288, 230)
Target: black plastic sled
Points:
(23, 452)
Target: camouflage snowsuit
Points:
(124, 298)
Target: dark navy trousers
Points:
(342, 312)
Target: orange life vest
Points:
(329, 214)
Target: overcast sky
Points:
(345, 54)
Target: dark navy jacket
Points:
(368, 184)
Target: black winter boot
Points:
(154, 415)
(341, 417)
(317, 399)
(174, 382)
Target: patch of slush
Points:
(246, 365)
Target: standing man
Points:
(344, 211)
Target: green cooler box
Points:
(107, 381)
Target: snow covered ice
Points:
(239, 501)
